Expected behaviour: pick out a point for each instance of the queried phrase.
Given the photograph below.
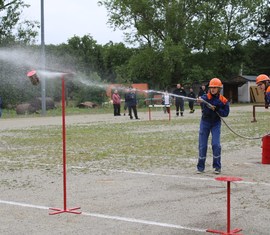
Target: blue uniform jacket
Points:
(222, 107)
(131, 99)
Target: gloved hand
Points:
(218, 105)
(212, 107)
(199, 100)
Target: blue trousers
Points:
(205, 129)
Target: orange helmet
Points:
(215, 82)
(262, 78)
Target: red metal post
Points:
(228, 179)
(58, 210)
(64, 143)
(254, 118)
(228, 206)
(254, 111)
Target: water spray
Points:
(34, 78)
(179, 96)
(211, 107)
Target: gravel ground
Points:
(116, 201)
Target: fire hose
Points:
(213, 108)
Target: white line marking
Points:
(149, 174)
(172, 176)
(147, 222)
(126, 219)
(24, 205)
(184, 177)
(162, 175)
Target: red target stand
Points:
(168, 107)
(227, 179)
(32, 75)
(65, 209)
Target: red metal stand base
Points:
(227, 179)
(71, 210)
(235, 231)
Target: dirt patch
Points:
(113, 200)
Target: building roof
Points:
(240, 80)
(250, 78)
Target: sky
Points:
(64, 19)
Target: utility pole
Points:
(43, 61)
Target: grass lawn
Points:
(128, 145)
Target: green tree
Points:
(264, 25)
(114, 56)
(14, 32)
(12, 28)
(177, 28)
(256, 60)
(197, 24)
(226, 23)
(86, 50)
(145, 65)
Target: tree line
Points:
(172, 41)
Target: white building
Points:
(243, 89)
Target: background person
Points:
(179, 102)
(191, 94)
(166, 101)
(263, 82)
(116, 103)
(211, 122)
(132, 103)
(202, 92)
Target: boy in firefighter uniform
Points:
(263, 82)
(211, 122)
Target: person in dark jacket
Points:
(217, 106)
(202, 92)
(179, 101)
(132, 103)
(191, 94)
